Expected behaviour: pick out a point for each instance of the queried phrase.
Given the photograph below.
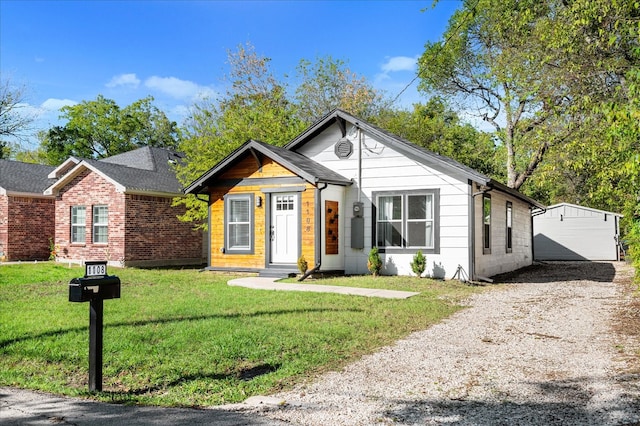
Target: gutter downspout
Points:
(318, 232)
(208, 226)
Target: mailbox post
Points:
(95, 287)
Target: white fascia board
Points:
(53, 189)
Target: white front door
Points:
(284, 228)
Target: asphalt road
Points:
(21, 407)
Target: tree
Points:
(14, 122)
(327, 84)
(100, 128)
(255, 106)
(533, 70)
(436, 127)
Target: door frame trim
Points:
(296, 191)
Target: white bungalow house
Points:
(344, 186)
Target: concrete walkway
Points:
(263, 283)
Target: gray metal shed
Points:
(570, 232)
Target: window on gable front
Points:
(239, 223)
(78, 224)
(407, 220)
(100, 224)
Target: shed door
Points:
(284, 228)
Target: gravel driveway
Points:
(537, 351)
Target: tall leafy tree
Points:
(329, 83)
(255, 106)
(100, 128)
(435, 126)
(533, 70)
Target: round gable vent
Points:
(344, 148)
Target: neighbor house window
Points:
(100, 224)
(486, 222)
(78, 224)
(509, 227)
(406, 220)
(239, 223)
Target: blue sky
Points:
(65, 52)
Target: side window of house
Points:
(78, 224)
(407, 220)
(239, 223)
(100, 224)
(509, 247)
(486, 221)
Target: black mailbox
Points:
(94, 288)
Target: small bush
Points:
(374, 263)
(419, 264)
(303, 266)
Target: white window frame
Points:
(402, 224)
(77, 225)
(229, 224)
(97, 225)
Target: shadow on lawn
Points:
(52, 333)
(546, 272)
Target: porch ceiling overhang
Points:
(302, 166)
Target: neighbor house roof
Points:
(24, 178)
(302, 166)
(146, 170)
(409, 149)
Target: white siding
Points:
(333, 262)
(384, 169)
(569, 232)
(499, 260)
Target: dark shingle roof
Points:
(16, 176)
(299, 164)
(146, 169)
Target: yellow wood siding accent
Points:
(247, 169)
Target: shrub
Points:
(374, 263)
(419, 264)
(302, 265)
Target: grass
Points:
(185, 338)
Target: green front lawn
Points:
(185, 338)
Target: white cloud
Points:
(129, 80)
(179, 89)
(52, 104)
(400, 63)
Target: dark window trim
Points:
(404, 193)
(251, 249)
(509, 229)
(486, 238)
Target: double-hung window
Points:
(78, 224)
(239, 223)
(509, 241)
(100, 224)
(407, 220)
(486, 224)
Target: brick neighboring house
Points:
(26, 215)
(120, 209)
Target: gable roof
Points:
(143, 170)
(405, 147)
(589, 209)
(24, 178)
(299, 164)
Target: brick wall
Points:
(153, 232)
(26, 224)
(142, 230)
(89, 189)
